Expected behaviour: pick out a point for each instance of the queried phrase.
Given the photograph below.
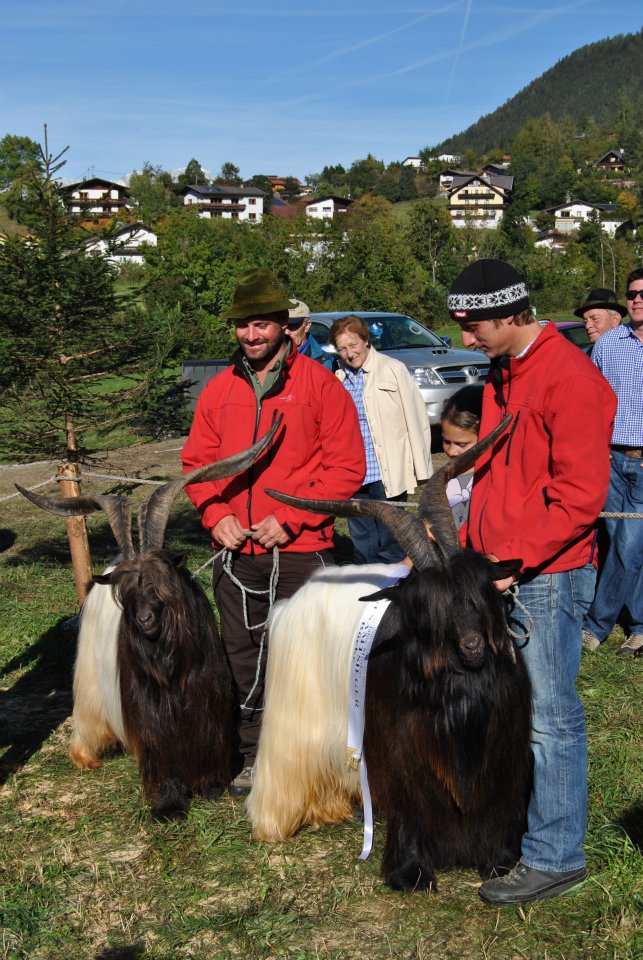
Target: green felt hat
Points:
(257, 292)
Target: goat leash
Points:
(520, 639)
(272, 593)
(366, 630)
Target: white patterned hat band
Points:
(507, 297)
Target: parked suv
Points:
(438, 369)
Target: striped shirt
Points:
(354, 383)
(618, 354)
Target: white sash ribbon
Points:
(366, 629)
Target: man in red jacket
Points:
(271, 549)
(536, 497)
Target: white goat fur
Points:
(97, 717)
(301, 773)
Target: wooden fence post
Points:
(69, 481)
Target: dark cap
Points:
(488, 290)
(600, 299)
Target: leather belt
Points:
(635, 452)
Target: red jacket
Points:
(318, 451)
(537, 493)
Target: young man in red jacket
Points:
(536, 497)
(318, 452)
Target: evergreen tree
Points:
(75, 362)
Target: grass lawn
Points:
(86, 874)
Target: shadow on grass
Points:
(40, 700)
(133, 952)
(7, 539)
(632, 822)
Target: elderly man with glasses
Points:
(298, 329)
(618, 354)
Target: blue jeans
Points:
(557, 815)
(373, 542)
(620, 582)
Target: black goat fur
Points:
(175, 682)
(447, 726)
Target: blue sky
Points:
(277, 88)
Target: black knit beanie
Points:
(488, 290)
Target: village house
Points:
(479, 199)
(279, 183)
(230, 203)
(125, 245)
(416, 162)
(573, 214)
(328, 207)
(612, 162)
(95, 198)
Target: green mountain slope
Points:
(589, 82)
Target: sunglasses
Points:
(633, 294)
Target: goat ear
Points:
(387, 594)
(178, 559)
(506, 568)
(104, 578)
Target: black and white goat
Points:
(447, 707)
(151, 672)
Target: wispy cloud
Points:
(499, 36)
(362, 44)
(467, 14)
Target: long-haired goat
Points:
(447, 707)
(150, 671)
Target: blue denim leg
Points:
(557, 813)
(372, 541)
(617, 584)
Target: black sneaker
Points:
(524, 884)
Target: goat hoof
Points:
(167, 814)
(412, 879)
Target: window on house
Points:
(252, 201)
(252, 216)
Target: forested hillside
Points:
(590, 82)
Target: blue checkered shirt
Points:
(354, 383)
(618, 354)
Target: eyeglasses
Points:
(633, 294)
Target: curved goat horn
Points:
(116, 509)
(434, 504)
(407, 529)
(153, 515)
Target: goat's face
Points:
(452, 619)
(148, 590)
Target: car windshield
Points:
(391, 333)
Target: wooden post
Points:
(69, 482)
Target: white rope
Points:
(110, 476)
(36, 487)
(271, 592)
(512, 592)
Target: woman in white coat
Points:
(395, 429)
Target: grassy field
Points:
(86, 874)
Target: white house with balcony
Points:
(125, 245)
(229, 203)
(95, 198)
(573, 214)
(327, 208)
